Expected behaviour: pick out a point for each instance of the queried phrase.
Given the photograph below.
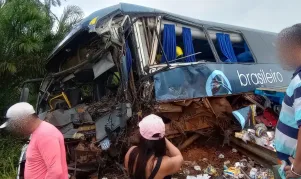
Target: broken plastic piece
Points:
(105, 144)
(103, 65)
(197, 168)
(232, 171)
(210, 170)
(203, 176)
(239, 135)
(237, 165)
(186, 171)
(260, 129)
(221, 156)
(112, 120)
(253, 173)
(227, 162)
(271, 135)
(271, 117)
(243, 116)
(246, 137)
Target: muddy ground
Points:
(203, 152)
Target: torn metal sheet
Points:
(111, 121)
(66, 119)
(203, 80)
(81, 118)
(58, 117)
(103, 65)
(76, 115)
(69, 132)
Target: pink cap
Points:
(151, 125)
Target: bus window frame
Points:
(214, 28)
(184, 23)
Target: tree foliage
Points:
(29, 31)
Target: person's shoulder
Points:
(127, 156)
(295, 84)
(47, 129)
(171, 163)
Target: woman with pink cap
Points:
(155, 157)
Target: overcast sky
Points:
(268, 15)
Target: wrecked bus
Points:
(119, 64)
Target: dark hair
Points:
(291, 35)
(142, 153)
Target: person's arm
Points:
(49, 148)
(173, 163)
(297, 161)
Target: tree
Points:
(71, 16)
(28, 33)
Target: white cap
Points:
(18, 111)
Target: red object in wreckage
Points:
(269, 118)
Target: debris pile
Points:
(96, 135)
(202, 159)
(195, 115)
(258, 121)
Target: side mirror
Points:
(24, 95)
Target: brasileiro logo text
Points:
(261, 77)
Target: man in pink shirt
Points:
(45, 155)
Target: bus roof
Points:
(131, 9)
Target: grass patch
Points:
(10, 150)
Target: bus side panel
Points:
(217, 79)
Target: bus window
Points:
(190, 46)
(202, 45)
(231, 47)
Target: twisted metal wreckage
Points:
(107, 71)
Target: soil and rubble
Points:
(201, 128)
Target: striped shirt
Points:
(289, 120)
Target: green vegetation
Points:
(29, 31)
(10, 149)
